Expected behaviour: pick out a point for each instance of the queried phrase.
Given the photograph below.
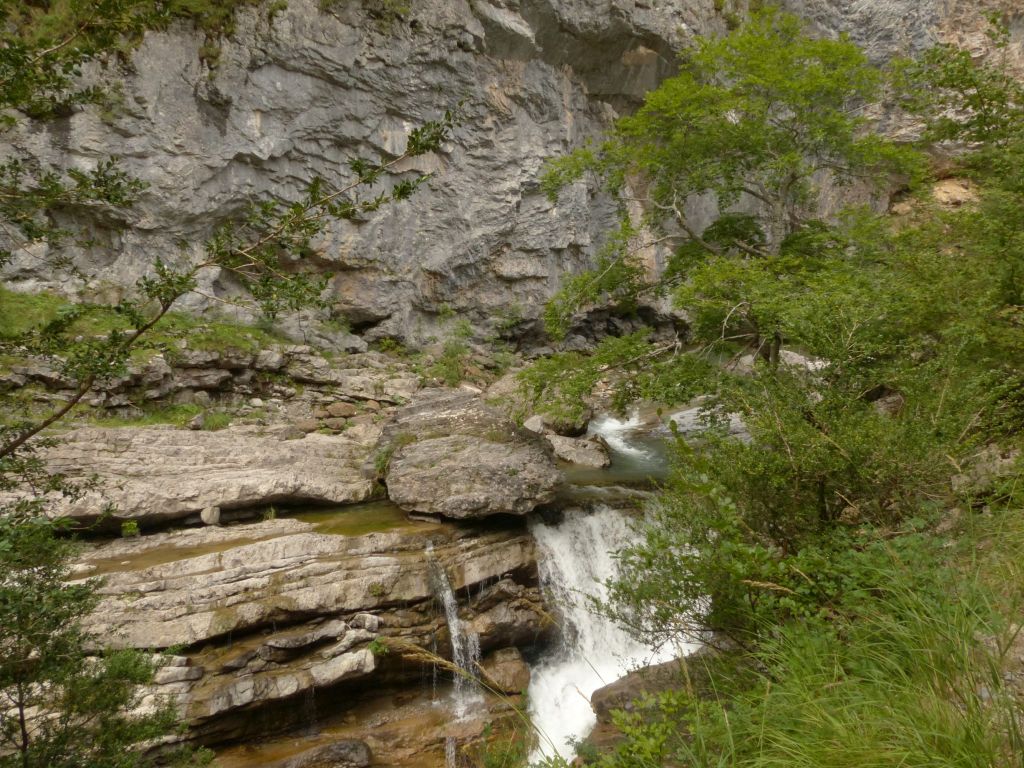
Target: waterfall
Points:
(465, 644)
(615, 431)
(576, 556)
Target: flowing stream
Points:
(576, 557)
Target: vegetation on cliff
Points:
(854, 552)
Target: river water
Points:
(576, 558)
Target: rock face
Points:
(349, 753)
(273, 611)
(453, 455)
(156, 474)
(888, 28)
(298, 91)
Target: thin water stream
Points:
(465, 644)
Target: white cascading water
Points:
(616, 432)
(575, 558)
(465, 644)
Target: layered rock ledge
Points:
(159, 474)
(275, 610)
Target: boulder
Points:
(589, 452)
(568, 426)
(454, 455)
(162, 474)
(627, 692)
(535, 424)
(342, 410)
(210, 516)
(692, 421)
(349, 753)
(461, 476)
(506, 671)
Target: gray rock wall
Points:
(298, 94)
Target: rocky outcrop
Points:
(155, 475)
(349, 753)
(204, 376)
(290, 578)
(452, 454)
(273, 611)
(629, 693)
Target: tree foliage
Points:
(752, 124)
(875, 361)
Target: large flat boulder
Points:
(157, 474)
(454, 455)
(460, 476)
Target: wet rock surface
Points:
(506, 671)
(349, 753)
(275, 612)
(294, 577)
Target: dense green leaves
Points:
(751, 125)
(876, 363)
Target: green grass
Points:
(216, 420)
(215, 17)
(913, 673)
(23, 312)
(152, 415)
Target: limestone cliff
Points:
(296, 92)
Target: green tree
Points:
(65, 706)
(66, 702)
(908, 329)
(862, 630)
(751, 124)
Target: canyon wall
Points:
(213, 124)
